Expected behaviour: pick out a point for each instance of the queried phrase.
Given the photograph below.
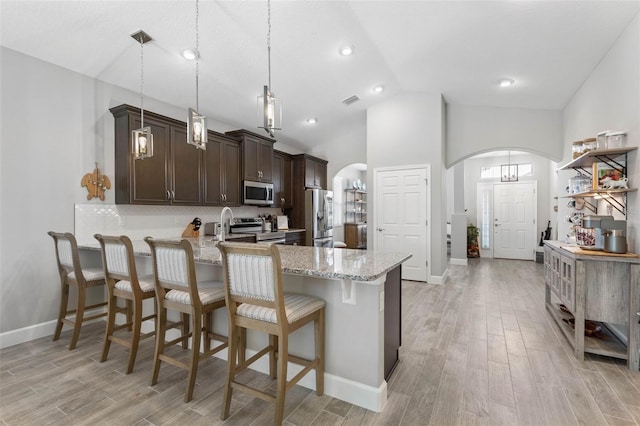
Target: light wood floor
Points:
(479, 350)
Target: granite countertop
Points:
(333, 263)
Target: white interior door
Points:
(401, 212)
(514, 207)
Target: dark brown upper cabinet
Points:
(282, 180)
(222, 165)
(172, 176)
(308, 172)
(257, 155)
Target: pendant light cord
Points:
(141, 82)
(269, 40)
(197, 55)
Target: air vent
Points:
(351, 100)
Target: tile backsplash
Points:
(138, 222)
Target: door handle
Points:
(380, 229)
(497, 224)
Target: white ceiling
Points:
(457, 48)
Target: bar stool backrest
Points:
(173, 266)
(66, 253)
(118, 258)
(253, 275)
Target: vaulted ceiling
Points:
(458, 48)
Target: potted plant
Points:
(473, 250)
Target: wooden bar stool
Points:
(72, 274)
(255, 300)
(123, 282)
(177, 289)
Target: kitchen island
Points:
(362, 291)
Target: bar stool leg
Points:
(234, 337)
(79, 317)
(161, 330)
(64, 301)
(196, 326)
(135, 334)
(281, 386)
(111, 319)
(318, 325)
(273, 342)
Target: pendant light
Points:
(142, 139)
(269, 107)
(197, 123)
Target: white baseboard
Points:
(36, 331)
(461, 262)
(439, 279)
(27, 334)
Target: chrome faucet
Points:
(222, 227)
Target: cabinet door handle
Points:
(168, 195)
(173, 195)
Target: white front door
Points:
(401, 212)
(514, 227)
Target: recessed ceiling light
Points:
(346, 50)
(190, 54)
(312, 120)
(378, 89)
(506, 82)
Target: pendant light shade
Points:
(142, 143)
(142, 138)
(269, 111)
(269, 107)
(197, 129)
(196, 122)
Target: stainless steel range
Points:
(255, 225)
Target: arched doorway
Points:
(348, 178)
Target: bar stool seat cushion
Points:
(146, 284)
(209, 291)
(90, 274)
(296, 306)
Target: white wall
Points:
(609, 100)
(407, 129)
(475, 129)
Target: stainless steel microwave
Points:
(257, 193)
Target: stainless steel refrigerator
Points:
(319, 217)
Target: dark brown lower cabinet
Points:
(295, 238)
(355, 235)
(392, 320)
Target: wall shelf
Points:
(615, 158)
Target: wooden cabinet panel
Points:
(145, 181)
(186, 169)
(232, 176)
(567, 282)
(355, 235)
(282, 180)
(315, 175)
(304, 167)
(171, 176)
(295, 238)
(257, 155)
(222, 171)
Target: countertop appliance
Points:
(255, 225)
(257, 193)
(319, 217)
(610, 233)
